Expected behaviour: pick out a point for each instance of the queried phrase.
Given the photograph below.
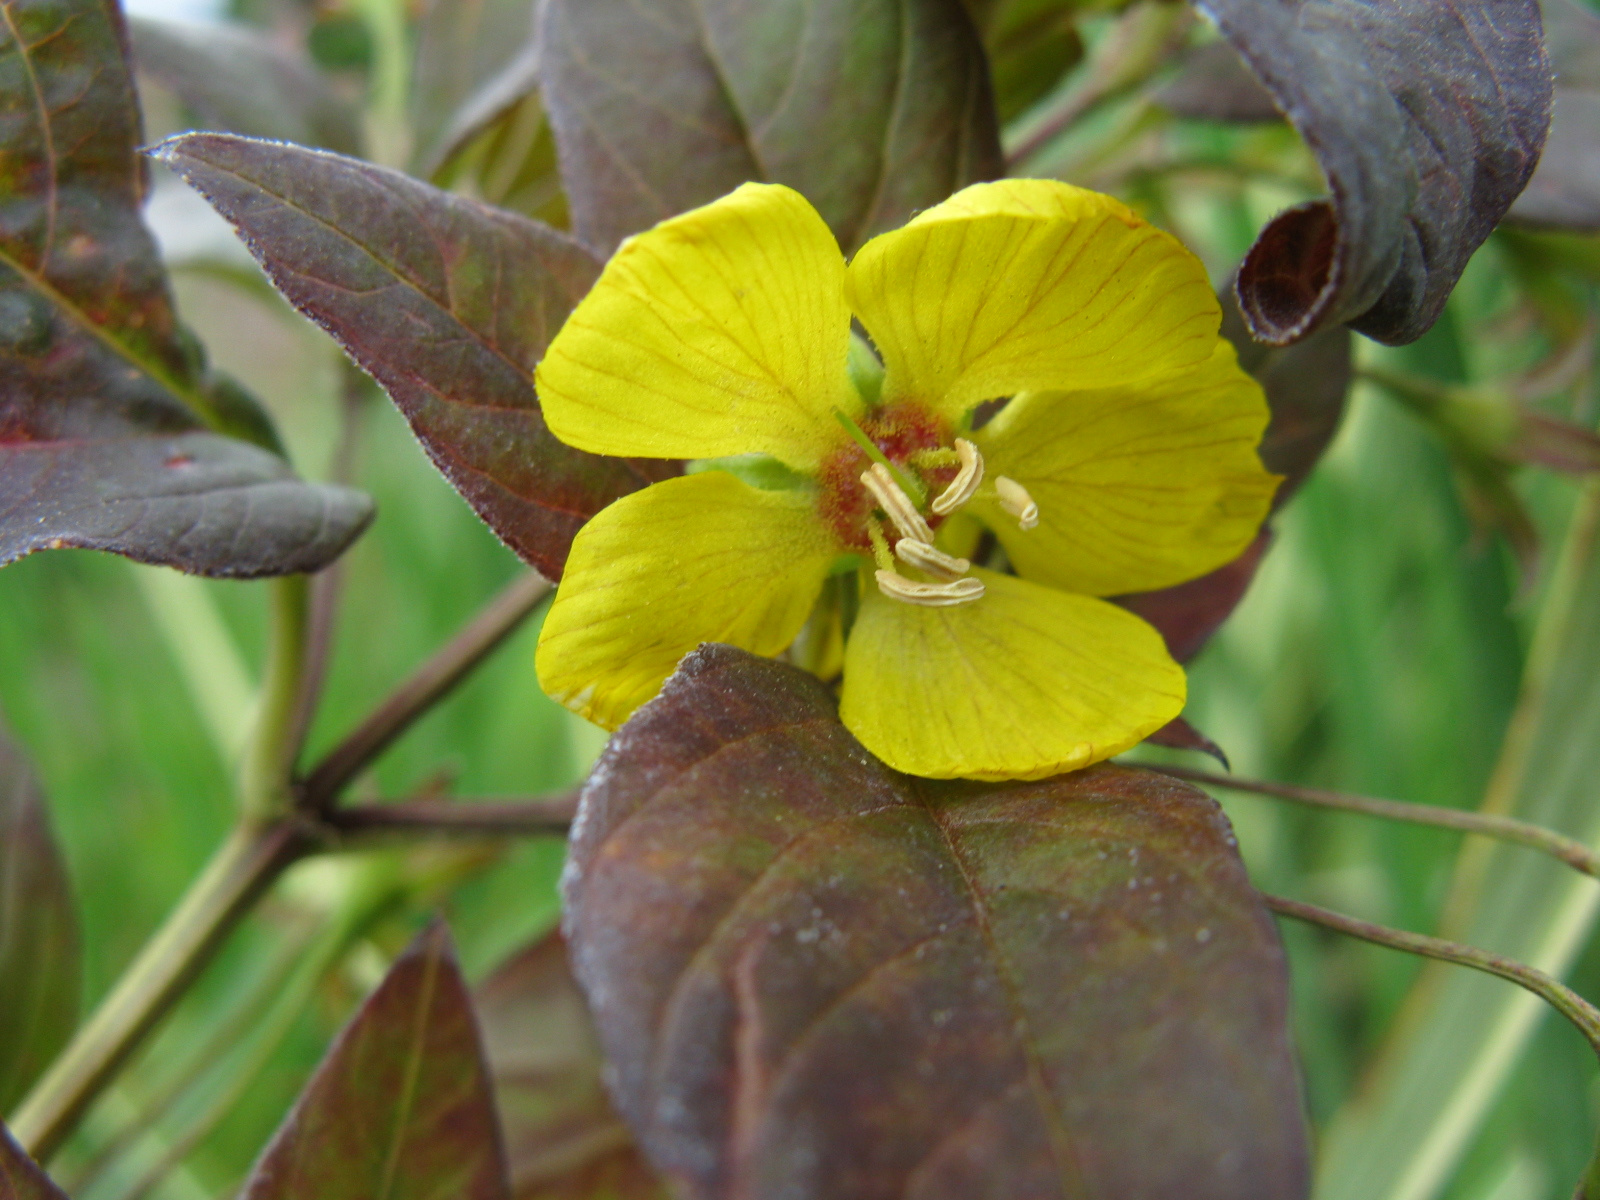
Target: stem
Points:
(242, 868)
(269, 759)
(1560, 997)
(1508, 829)
(541, 815)
(428, 684)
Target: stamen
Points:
(896, 503)
(930, 595)
(934, 561)
(880, 547)
(966, 481)
(1015, 500)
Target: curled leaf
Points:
(1423, 152)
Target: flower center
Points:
(887, 490)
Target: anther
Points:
(927, 558)
(1015, 500)
(966, 481)
(895, 503)
(930, 595)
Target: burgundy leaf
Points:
(93, 366)
(1427, 118)
(814, 977)
(40, 955)
(20, 1177)
(1178, 734)
(401, 1107)
(1187, 614)
(872, 108)
(445, 302)
(563, 1138)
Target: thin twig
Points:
(1507, 829)
(1555, 993)
(533, 817)
(428, 684)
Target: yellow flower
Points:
(1124, 461)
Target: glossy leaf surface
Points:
(40, 964)
(401, 1107)
(447, 303)
(96, 378)
(872, 108)
(564, 1140)
(1423, 152)
(20, 1177)
(816, 978)
(237, 80)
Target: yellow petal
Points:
(1024, 683)
(700, 558)
(1138, 487)
(721, 331)
(1028, 284)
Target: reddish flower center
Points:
(901, 432)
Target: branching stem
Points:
(243, 867)
(1507, 829)
(424, 688)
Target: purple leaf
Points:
(97, 381)
(445, 302)
(563, 1138)
(815, 978)
(400, 1108)
(1427, 118)
(873, 109)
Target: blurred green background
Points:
(1380, 650)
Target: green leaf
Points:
(1410, 1130)
(20, 1177)
(563, 1139)
(447, 303)
(236, 80)
(401, 1107)
(102, 396)
(816, 978)
(1427, 120)
(40, 959)
(872, 108)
